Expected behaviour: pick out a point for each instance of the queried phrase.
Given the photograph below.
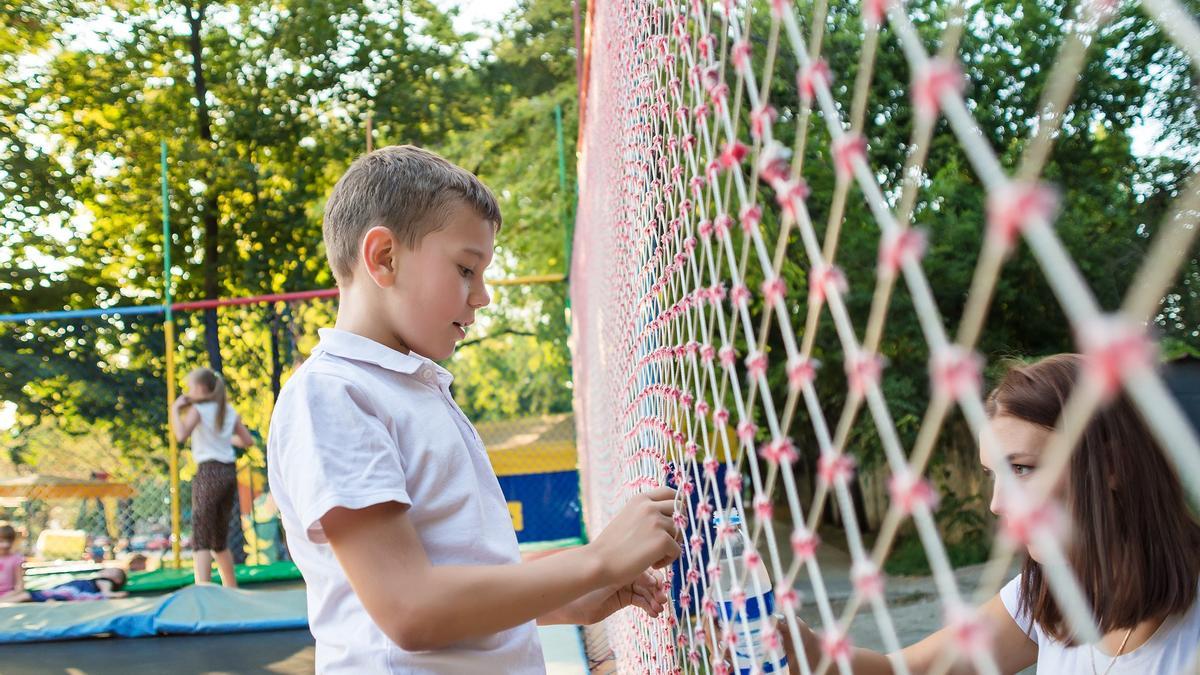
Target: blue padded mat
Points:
(191, 610)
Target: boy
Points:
(392, 511)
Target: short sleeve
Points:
(1010, 595)
(334, 451)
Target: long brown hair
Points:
(1136, 545)
(212, 380)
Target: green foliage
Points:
(90, 89)
(1113, 200)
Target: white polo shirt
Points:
(361, 424)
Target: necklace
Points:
(1113, 662)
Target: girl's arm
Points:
(1012, 648)
(241, 436)
(184, 423)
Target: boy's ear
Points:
(378, 252)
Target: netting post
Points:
(169, 333)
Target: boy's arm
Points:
(421, 606)
(646, 592)
(19, 582)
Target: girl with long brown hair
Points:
(204, 414)
(1135, 547)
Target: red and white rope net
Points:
(678, 137)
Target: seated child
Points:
(107, 584)
(12, 577)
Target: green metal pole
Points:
(166, 220)
(568, 225)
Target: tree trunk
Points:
(212, 287)
(276, 323)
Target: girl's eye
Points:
(466, 271)
(1022, 469)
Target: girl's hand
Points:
(182, 402)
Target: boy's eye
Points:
(466, 271)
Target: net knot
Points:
(908, 491)
(835, 468)
(756, 364)
(823, 280)
(804, 543)
(899, 248)
(1015, 206)
(815, 74)
(779, 451)
(868, 580)
(934, 80)
(1114, 348)
(848, 149)
(863, 372)
(956, 371)
(774, 289)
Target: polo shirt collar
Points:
(355, 347)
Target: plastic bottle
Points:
(758, 609)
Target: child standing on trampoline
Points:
(393, 513)
(204, 415)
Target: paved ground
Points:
(279, 653)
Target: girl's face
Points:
(1022, 444)
(195, 389)
(6, 546)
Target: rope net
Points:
(699, 273)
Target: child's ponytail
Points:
(212, 380)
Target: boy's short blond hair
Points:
(407, 189)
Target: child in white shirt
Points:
(393, 513)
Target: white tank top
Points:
(1171, 650)
(210, 444)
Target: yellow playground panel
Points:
(538, 468)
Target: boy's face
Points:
(438, 286)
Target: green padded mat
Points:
(171, 579)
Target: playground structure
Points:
(108, 506)
(682, 315)
(111, 504)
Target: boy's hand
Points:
(646, 592)
(642, 535)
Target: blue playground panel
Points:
(544, 506)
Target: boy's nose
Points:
(480, 298)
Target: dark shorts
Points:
(213, 488)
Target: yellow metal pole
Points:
(176, 516)
(524, 281)
(169, 331)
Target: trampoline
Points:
(188, 611)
